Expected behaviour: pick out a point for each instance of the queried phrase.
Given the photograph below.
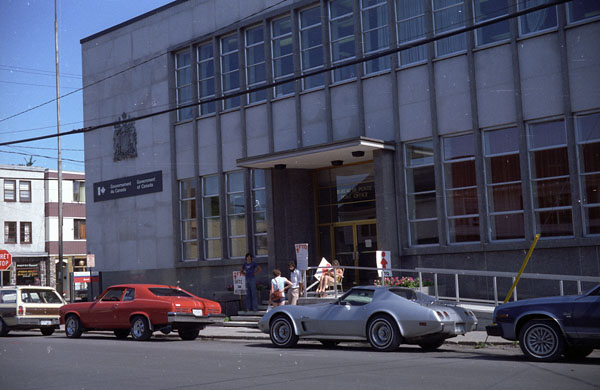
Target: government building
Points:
(449, 133)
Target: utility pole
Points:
(61, 283)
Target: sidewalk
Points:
(241, 333)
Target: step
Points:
(245, 318)
(259, 313)
(240, 324)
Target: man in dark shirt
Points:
(249, 270)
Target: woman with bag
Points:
(278, 286)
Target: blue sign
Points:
(145, 183)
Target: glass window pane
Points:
(462, 202)
(421, 179)
(424, 233)
(212, 227)
(501, 141)
(190, 250)
(464, 229)
(260, 245)
(554, 223)
(552, 193)
(461, 146)
(486, 10)
(213, 249)
(419, 153)
(211, 185)
(340, 7)
(282, 26)
(592, 218)
(503, 169)
(422, 206)
(506, 197)
(547, 134)
(582, 9)
(460, 174)
(538, 20)
(551, 162)
(211, 207)
(507, 227)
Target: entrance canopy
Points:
(337, 153)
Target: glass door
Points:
(354, 244)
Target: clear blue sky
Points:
(27, 72)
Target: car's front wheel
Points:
(383, 333)
(140, 328)
(73, 327)
(3, 328)
(282, 332)
(541, 341)
(189, 334)
(47, 331)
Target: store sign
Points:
(355, 192)
(145, 183)
(5, 260)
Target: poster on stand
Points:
(302, 256)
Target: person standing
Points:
(249, 270)
(297, 285)
(278, 286)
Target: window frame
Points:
(27, 190)
(206, 108)
(420, 50)
(231, 103)
(520, 7)
(302, 49)
(13, 190)
(258, 96)
(7, 231)
(183, 114)
(331, 20)
(481, 18)
(386, 60)
(217, 238)
(446, 29)
(229, 193)
(279, 90)
(192, 220)
(23, 233)
(255, 189)
(569, 8)
(80, 192)
(78, 223)
(582, 174)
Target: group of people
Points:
(293, 285)
(279, 284)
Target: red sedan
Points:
(141, 309)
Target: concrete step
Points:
(258, 313)
(240, 324)
(245, 318)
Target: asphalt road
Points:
(100, 361)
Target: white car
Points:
(29, 307)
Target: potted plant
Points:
(406, 281)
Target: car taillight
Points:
(21, 311)
(179, 309)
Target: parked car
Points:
(141, 309)
(385, 316)
(29, 307)
(553, 326)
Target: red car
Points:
(141, 309)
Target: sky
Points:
(27, 73)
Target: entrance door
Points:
(354, 244)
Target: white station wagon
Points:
(29, 307)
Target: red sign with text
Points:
(5, 260)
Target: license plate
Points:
(45, 322)
(197, 312)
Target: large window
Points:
(255, 63)
(10, 232)
(79, 230)
(183, 81)
(206, 77)
(410, 19)
(582, 9)
(420, 194)
(449, 15)
(550, 186)
(536, 21)
(376, 36)
(259, 212)
(487, 10)
(588, 148)
(236, 214)
(211, 217)
(189, 224)
(460, 188)
(79, 191)
(341, 30)
(10, 193)
(24, 191)
(283, 55)
(230, 66)
(503, 184)
(311, 46)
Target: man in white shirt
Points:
(296, 279)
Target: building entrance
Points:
(347, 222)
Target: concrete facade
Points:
(523, 81)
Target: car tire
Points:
(282, 332)
(46, 331)
(577, 352)
(73, 327)
(3, 328)
(329, 343)
(431, 345)
(383, 333)
(121, 334)
(541, 341)
(189, 333)
(140, 328)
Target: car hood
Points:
(540, 301)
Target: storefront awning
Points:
(348, 151)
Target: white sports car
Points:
(385, 316)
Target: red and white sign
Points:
(85, 277)
(5, 260)
(384, 261)
(302, 256)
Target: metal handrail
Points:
(461, 272)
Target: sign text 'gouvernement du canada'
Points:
(145, 183)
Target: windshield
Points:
(168, 292)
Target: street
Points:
(100, 361)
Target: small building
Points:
(452, 153)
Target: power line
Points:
(35, 85)
(383, 53)
(41, 156)
(37, 71)
(39, 147)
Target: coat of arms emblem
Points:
(124, 140)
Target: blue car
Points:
(548, 328)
